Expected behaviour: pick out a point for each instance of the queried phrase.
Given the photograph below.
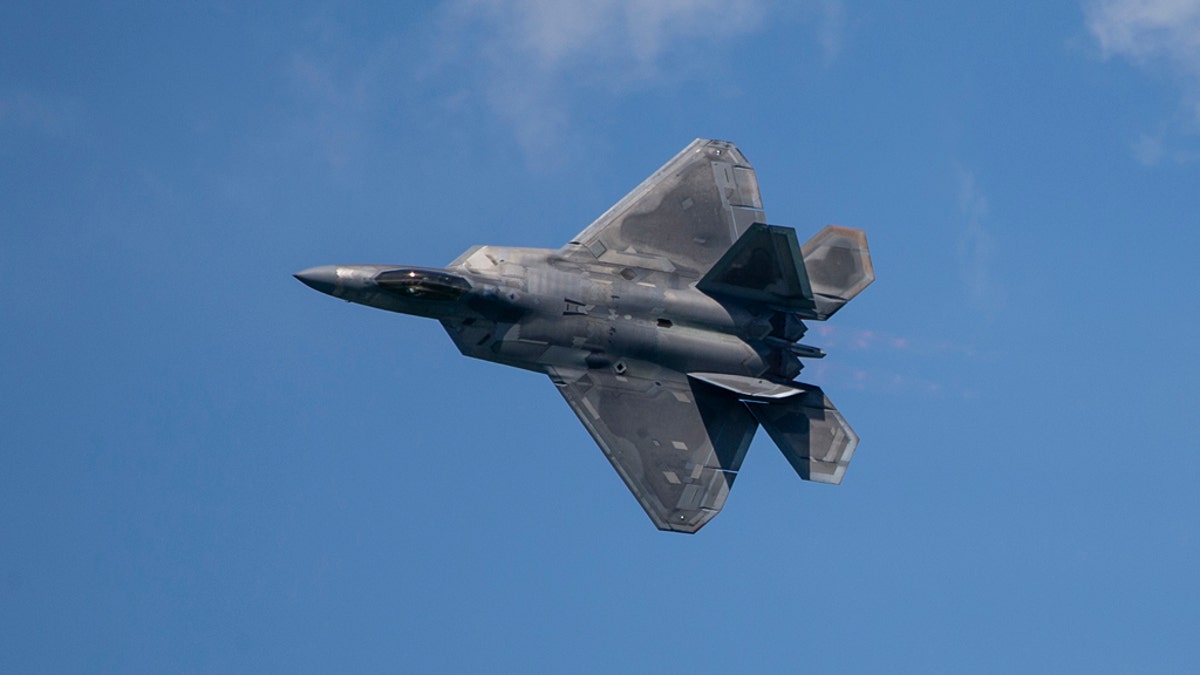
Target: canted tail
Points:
(767, 266)
(810, 432)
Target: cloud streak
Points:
(846, 338)
(879, 362)
(976, 247)
(630, 35)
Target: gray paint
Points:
(669, 325)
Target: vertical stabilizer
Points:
(763, 266)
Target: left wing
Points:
(682, 218)
(677, 443)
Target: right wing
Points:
(676, 443)
(682, 218)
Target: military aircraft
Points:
(670, 325)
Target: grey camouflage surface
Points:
(670, 325)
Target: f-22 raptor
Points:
(671, 326)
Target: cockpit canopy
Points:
(423, 284)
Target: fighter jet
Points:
(670, 325)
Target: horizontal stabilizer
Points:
(839, 267)
(754, 387)
(765, 266)
(810, 432)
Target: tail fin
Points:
(839, 267)
(766, 265)
(810, 432)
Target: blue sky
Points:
(207, 467)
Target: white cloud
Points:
(1161, 36)
(628, 36)
(531, 50)
(538, 67)
(527, 54)
(1146, 31)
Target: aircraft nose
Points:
(324, 278)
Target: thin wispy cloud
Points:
(883, 380)
(334, 105)
(339, 87)
(832, 25)
(537, 67)
(531, 52)
(48, 115)
(1148, 30)
(531, 58)
(880, 362)
(1162, 37)
(975, 248)
(627, 35)
(833, 337)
